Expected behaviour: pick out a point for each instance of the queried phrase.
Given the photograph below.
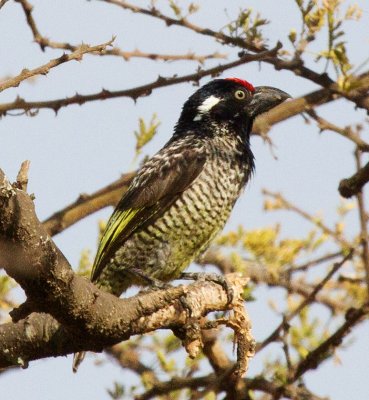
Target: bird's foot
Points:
(212, 277)
(150, 281)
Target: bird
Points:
(182, 196)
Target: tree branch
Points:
(284, 204)
(83, 317)
(353, 185)
(134, 93)
(115, 51)
(315, 357)
(346, 132)
(275, 334)
(260, 274)
(88, 204)
(360, 83)
(45, 69)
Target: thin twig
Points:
(259, 274)
(359, 83)
(276, 333)
(44, 69)
(190, 56)
(115, 51)
(287, 205)
(346, 132)
(134, 93)
(317, 261)
(315, 357)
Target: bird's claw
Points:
(212, 277)
(152, 282)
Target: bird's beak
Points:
(264, 99)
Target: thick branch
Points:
(109, 320)
(85, 317)
(353, 185)
(88, 204)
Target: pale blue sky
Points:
(85, 148)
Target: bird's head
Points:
(232, 101)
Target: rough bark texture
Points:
(65, 313)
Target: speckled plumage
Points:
(182, 197)
(163, 248)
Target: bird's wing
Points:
(157, 185)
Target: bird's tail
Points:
(77, 359)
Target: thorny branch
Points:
(45, 69)
(38, 326)
(115, 51)
(361, 83)
(134, 93)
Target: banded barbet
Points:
(182, 197)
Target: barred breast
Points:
(163, 249)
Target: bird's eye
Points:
(239, 94)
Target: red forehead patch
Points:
(242, 82)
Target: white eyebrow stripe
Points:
(206, 106)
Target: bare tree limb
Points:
(314, 358)
(275, 334)
(86, 317)
(185, 23)
(45, 69)
(350, 186)
(287, 205)
(115, 51)
(88, 204)
(134, 93)
(346, 132)
(359, 84)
